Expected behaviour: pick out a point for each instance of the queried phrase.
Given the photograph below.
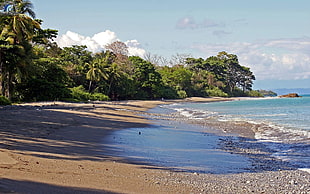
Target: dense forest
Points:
(34, 68)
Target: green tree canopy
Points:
(222, 71)
(148, 80)
(18, 27)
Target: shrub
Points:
(216, 92)
(254, 93)
(80, 94)
(4, 101)
(267, 93)
(237, 92)
(40, 90)
(167, 92)
(99, 97)
(182, 94)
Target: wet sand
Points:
(57, 148)
(177, 146)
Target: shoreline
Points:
(237, 138)
(55, 147)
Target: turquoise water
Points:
(291, 113)
(281, 123)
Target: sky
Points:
(272, 37)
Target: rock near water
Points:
(291, 95)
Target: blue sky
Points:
(272, 37)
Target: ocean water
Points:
(175, 146)
(283, 124)
(178, 140)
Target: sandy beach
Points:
(55, 147)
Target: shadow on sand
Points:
(64, 135)
(28, 187)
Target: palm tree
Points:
(23, 7)
(20, 24)
(114, 75)
(18, 28)
(97, 71)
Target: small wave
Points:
(194, 114)
(264, 130)
(305, 169)
(267, 131)
(269, 115)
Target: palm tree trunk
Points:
(10, 86)
(89, 87)
(110, 86)
(1, 74)
(6, 85)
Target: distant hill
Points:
(300, 91)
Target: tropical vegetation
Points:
(34, 68)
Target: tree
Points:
(20, 25)
(22, 7)
(179, 59)
(156, 59)
(74, 60)
(44, 36)
(178, 77)
(118, 48)
(47, 81)
(97, 71)
(114, 74)
(18, 28)
(235, 74)
(221, 72)
(246, 79)
(148, 80)
(4, 49)
(232, 69)
(207, 75)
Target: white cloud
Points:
(134, 48)
(104, 38)
(98, 42)
(297, 45)
(282, 59)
